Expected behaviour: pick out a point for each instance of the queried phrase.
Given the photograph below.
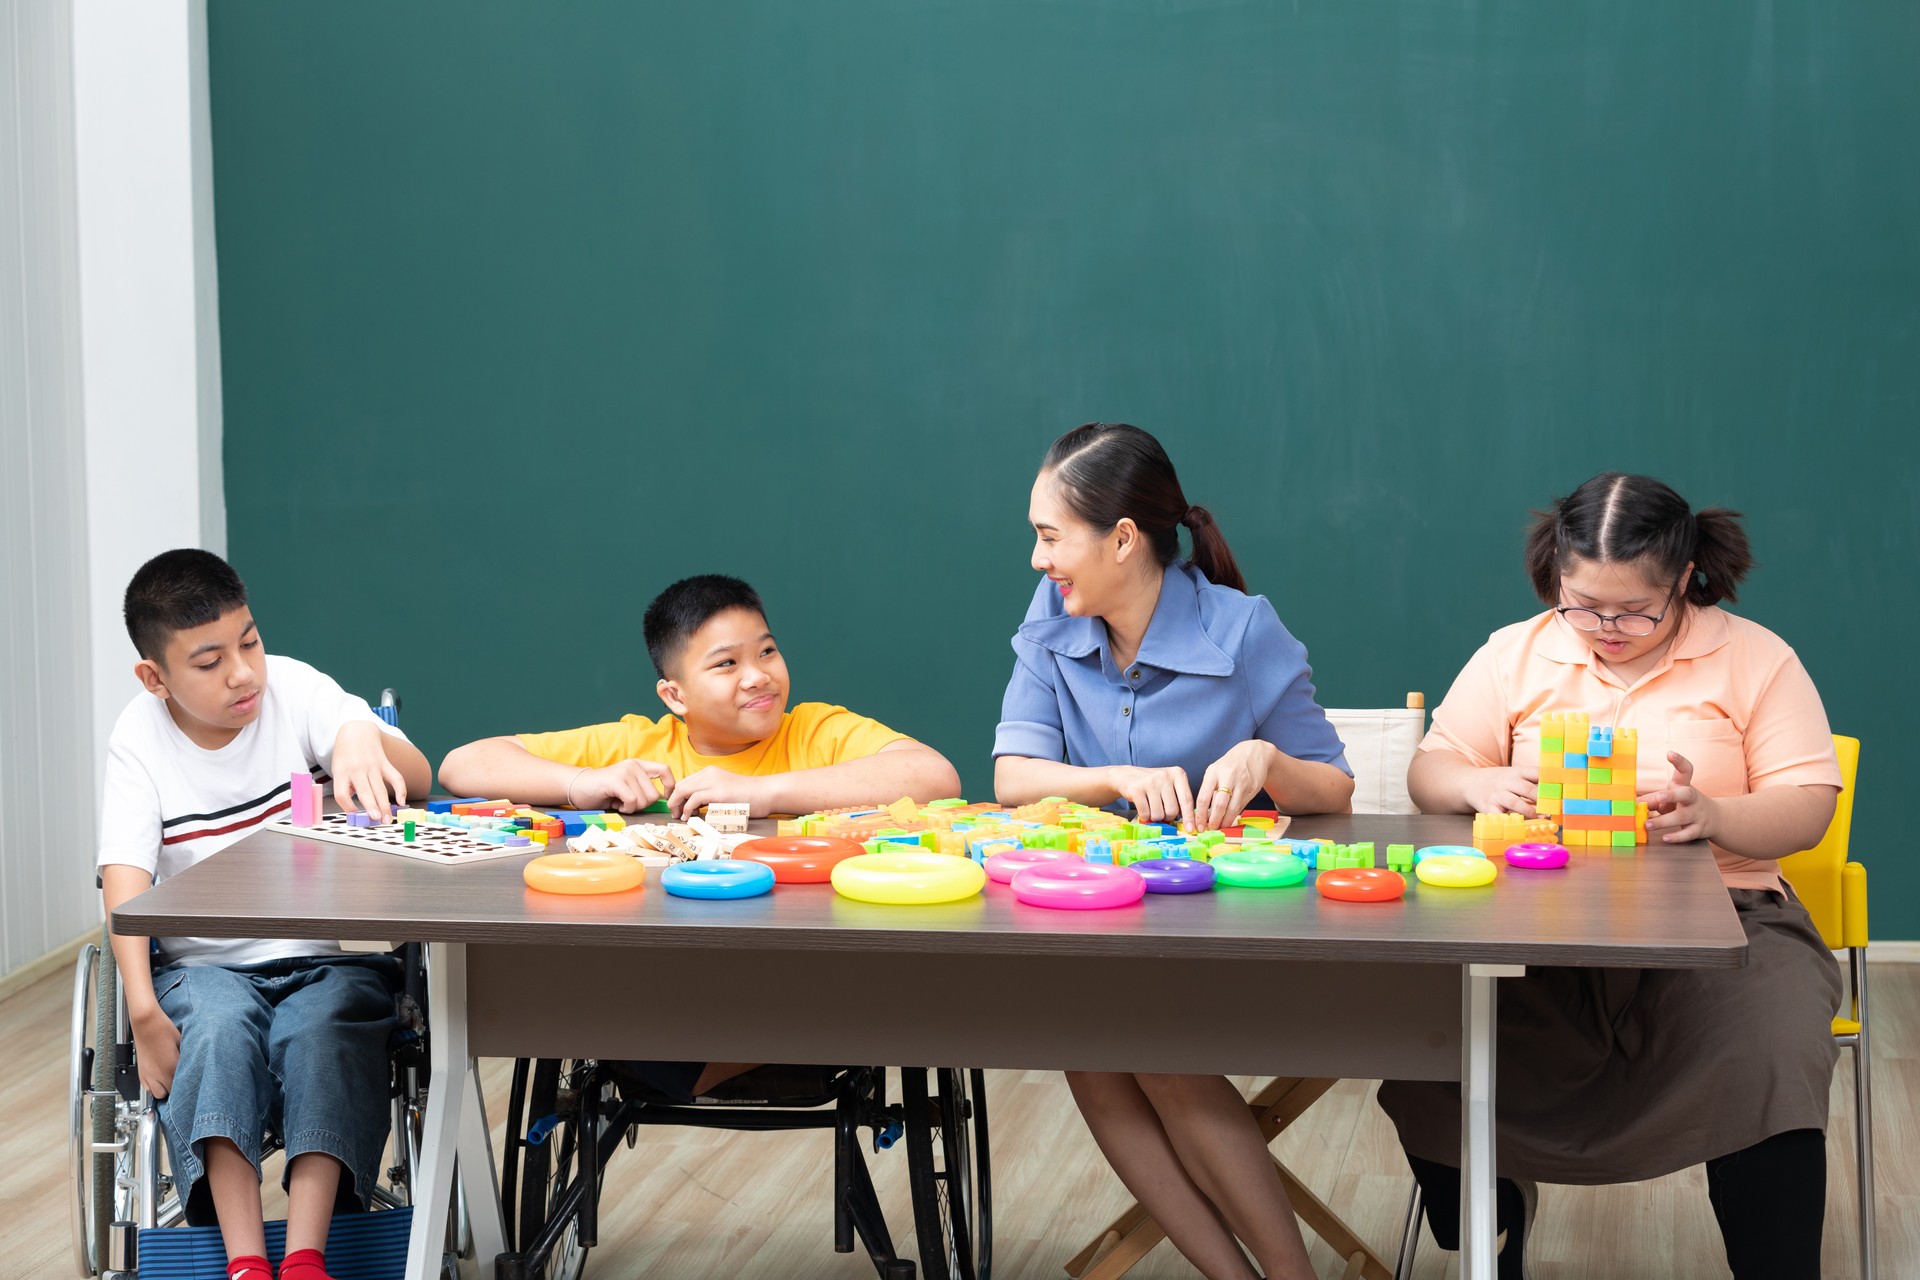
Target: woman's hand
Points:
(1231, 782)
(1503, 789)
(1157, 795)
(1680, 812)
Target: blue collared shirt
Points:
(1215, 669)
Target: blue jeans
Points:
(298, 1046)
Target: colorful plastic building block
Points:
(1589, 780)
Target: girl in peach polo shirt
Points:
(1623, 1075)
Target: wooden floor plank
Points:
(758, 1206)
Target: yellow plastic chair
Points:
(1835, 893)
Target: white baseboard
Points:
(1893, 953)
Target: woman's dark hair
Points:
(1108, 472)
(1616, 518)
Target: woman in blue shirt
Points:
(1145, 678)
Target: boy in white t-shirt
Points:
(232, 1034)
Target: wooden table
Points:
(1242, 981)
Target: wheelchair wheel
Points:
(543, 1136)
(947, 1168)
(92, 1069)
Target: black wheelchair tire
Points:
(947, 1171)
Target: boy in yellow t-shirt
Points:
(730, 738)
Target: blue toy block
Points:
(514, 840)
(1592, 807)
(1573, 760)
(903, 838)
(446, 806)
(1600, 741)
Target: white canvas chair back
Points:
(1380, 745)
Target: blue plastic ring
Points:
(725, 878)
(1446, 851)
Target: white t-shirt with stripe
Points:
(171, 803)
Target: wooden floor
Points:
(690, 1203)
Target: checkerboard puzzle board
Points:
(443, 846)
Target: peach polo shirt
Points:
(1729, 695)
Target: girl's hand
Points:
(1231, 783)
(1680, 812)
(1157, 795)
(1504, 789)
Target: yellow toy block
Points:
(614, 822)
(1548, 805)
(1574, 791)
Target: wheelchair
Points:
(566, 1119)
(121, 1182)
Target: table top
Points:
(1648, 907)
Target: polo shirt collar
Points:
(1704, 631)
(1175, 641)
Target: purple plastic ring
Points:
(1002, 867)
(1175, 875)
(1537, 857)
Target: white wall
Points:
(46, 749)
(109, 404)
(147, 299)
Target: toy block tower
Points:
(1588, 780)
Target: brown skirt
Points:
(1619, 1075)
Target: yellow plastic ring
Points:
(596, 871)
(1453, 871)
(908, 878)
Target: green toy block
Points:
(1599, 775)
(951, 802)
(1553, 746)
(1623, 808)
(1400, 857)
(1623, 840)
(1550, 790)
(1211, 838)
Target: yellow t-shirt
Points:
(811, 736)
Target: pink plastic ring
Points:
(1537, 857)
(1002, 867)
(1079, 887)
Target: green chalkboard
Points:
(528, 310)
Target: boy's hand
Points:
(1157, 795)
(1504, 789)
(156, 1047)
(1678, 811)
(362, 774)
(626, 787)
(714, 785)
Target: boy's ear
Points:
(151, 677)
(670, 694)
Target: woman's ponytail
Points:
(1211, 555)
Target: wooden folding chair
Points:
(1132, 1235)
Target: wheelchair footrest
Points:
(360, 1246)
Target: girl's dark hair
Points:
(1616, 518)
(1108, 472)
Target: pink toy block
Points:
(306, 800)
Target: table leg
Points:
(1478, 1006)
(454, 1141)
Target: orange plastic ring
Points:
(599, 871)
(1361, 884)
(799, 859)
